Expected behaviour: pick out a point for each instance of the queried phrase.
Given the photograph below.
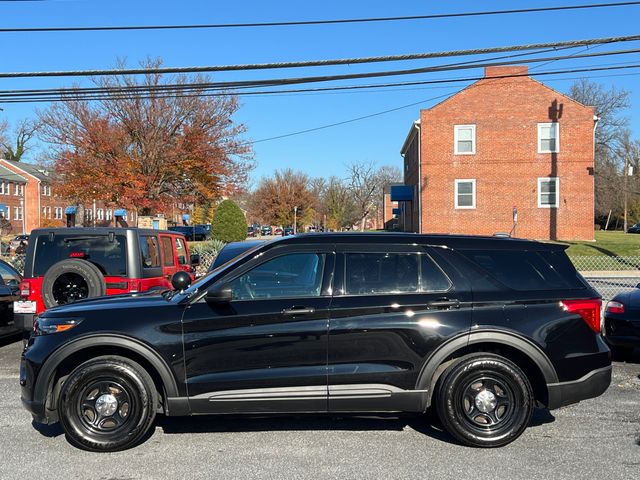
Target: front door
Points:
(266, 350)
(168, 257)
(392, 307)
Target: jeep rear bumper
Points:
(591, 385)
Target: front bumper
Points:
(24, 321)
(591, 385)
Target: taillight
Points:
(615, 307)
(25, 289)
(589, 310)
(134, 286)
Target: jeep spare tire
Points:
(71, 280)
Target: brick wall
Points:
(506, 165)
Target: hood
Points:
(127, 300)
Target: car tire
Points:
(484, 400)
(107, 404)
(70, 280)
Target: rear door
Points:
(392, 306)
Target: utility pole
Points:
(626, 174)
(295, 220)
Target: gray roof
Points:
(6, 174)
(37, 171)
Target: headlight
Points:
(48, 325)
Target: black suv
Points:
(482, 329)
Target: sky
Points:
(324, 152)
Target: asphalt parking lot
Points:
(598, 438)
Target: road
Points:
(598, 438)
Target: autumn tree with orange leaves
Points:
(148, 150)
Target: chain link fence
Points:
(608, 275)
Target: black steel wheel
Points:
(70, 280)
(484, 400)
(107, 404)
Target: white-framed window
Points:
(57, 213)
(5, 213)
(464, 138)
(2, 184)
(46, 190)
(7, 188)
(17, 213)
(465, 193)
(548, 192)
(16, 189)
(100, 214)
(549, 137)
(109, 215)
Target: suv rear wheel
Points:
(107, 404)
(484, 400)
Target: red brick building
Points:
(28, 201)
(502, 143)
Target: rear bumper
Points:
(591, 385)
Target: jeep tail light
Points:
(589, 310)
(25, 289)
(615, 307)
(77, 255)
(134, 286)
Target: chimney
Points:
(506, 70)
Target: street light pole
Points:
(295, 220)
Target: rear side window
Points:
(167, 252)
(149, 251)
(378, 273)
(109, 256)
(528, 270)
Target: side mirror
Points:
(180, 280)
(638, 285)
(219, 294)
(195, 259)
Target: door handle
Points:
(298, 310)
(444, 303)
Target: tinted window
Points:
(521, 270)
(109, 257)
(167, 252)
(149, 251)
(287, 276)
(372, 273)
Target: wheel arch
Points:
(67, 358)
(524, 353)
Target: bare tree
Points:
(610, 105)
(362, 179)
(15, 149)
(339, 206)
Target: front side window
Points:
(464, 139)
(288, 276)
(548, 192)
(465, 193)
(384, 273)
(548, 138)
(181, 251)
(149, 251)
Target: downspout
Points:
(416, 124)
(595, 126)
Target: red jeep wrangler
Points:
(63, 265)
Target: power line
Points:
(17, 96)
(328, 78)
(317, 22)
(319, 63)
(208, 85)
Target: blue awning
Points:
(186, 217)
(120, 212)
(70, 210)
(401, 193)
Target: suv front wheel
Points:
(484, 400)
(107, 404)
